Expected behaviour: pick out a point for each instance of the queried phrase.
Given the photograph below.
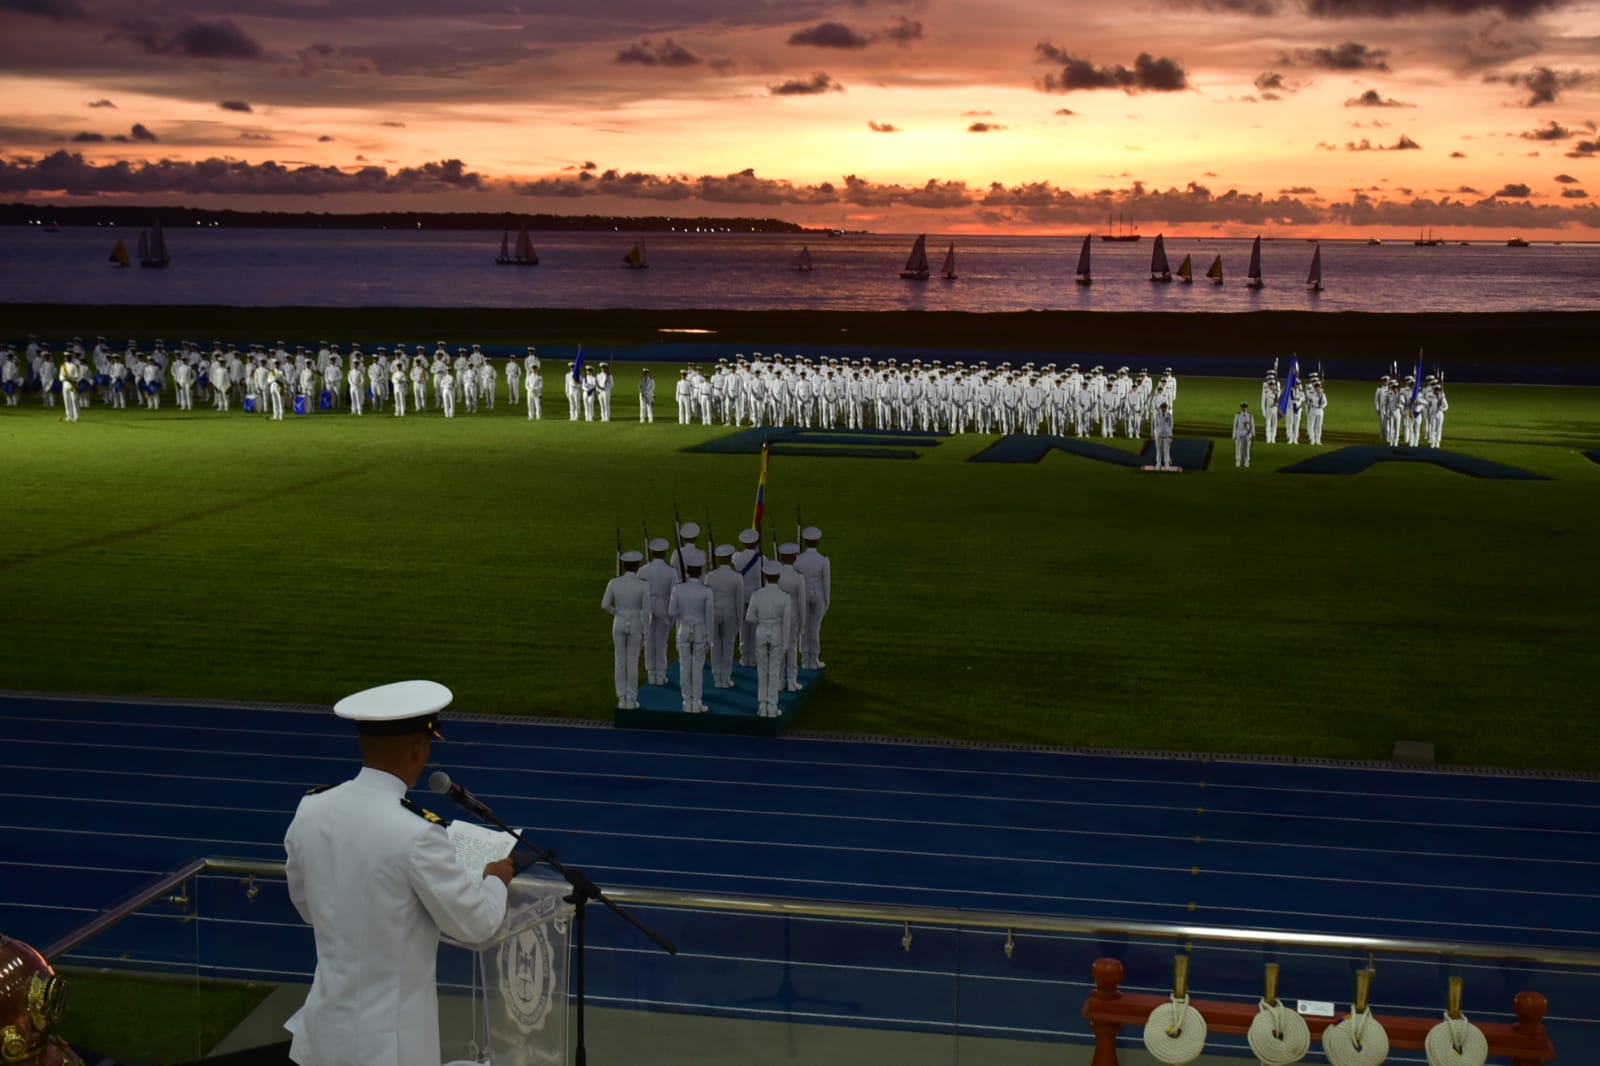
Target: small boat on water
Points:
(153, 247)
(1314, 278)
(1516, 242)
(635, 259)
(1082, 275)
(523, 256)
(1186, 270)
(916, 268)
(948, 270)
(802, 259)
(1253, 274)
(1373, 242)
(1214, 271)
(119, 255)
(1160, 270)
(52, 227)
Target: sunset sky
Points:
(1291, 117)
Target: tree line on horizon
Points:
(174, 217)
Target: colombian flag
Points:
(761, 490)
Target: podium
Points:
(519, 982)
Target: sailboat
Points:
(802, 259)
(1314, 279)
(1082, 276)
(153, 247)
(1426, 239)
(1123, 232)
(635, 259)
(1186, 270)
(1160, 270)
(916, 268)
(523, 256)
(949, 267)
(119, 255)
(1254, 273)
(1214, 271)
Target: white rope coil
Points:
(1279, 1036)
(1456, 1042)
(1176, 1032)
(1358, 1040)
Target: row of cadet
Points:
(1406, 410)
(772, 607)
(889, 394)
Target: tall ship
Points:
(1426, 239)
(1122, 231)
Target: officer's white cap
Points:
(689, 530)
(724, 551)
(749, 536)
(693, 556)
(658, 544)
(396, 709)
(633, 557)
(771, 568)
(789, 549)
(811, 533)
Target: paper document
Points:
(477, 846)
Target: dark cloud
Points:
(55, 10)
(392, 123)
(1393, 9)
(1574, 194)
(1253, 8)
(1550, 131)
(235, 105)
(977, 114)
(102, 103)
(985, 127)
(195, 39)
(1458, 155)
(324, 139)
(1468, 190)
(1298, 190)
(255, 135)
(1514, 191)
(69, 173)
(665, 53)
(883, 127)
(828, 35)
(1065, 111)
(1404, 144)
(1270, 81)
(1566, 179)
(1488, 213)
(815, 85)
(1149, 74)
(1543, 83)
(1347, 55)
(86, 137)
(903, 31)
(1373, 98)
(1584, 150)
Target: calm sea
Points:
(349, 268)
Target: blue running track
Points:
(101, 796)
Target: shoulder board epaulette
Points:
(422, 812)
(319, 788)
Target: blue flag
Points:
(577, 366)
(1416, 386)
(1289, 384)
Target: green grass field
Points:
(154, 1019)
(202, 555)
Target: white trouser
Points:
(769, 664)
(534, 405)
(811, 641)
(655, 651)
(514, 389)
(726, 628)
(400, 402)
(69, 400)
(355, 399)
(1271, 417)
(627, 635)
(1241, 451)
(692, 666)
(419, 396)
(1163, 452)
(646, 412)
(449, 398)
(1314, 426)
(275, 403)
(1294, 426)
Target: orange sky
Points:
(1291, 117)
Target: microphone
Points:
(440, 782)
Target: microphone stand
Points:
(583, 891)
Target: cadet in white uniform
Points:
(794, 583)
(728, 602)
(818, 572)
(1435, 407)
(660, 576)
(627, 600)
(1316, 405)
(1270, 391)
(1162, 427)
(647, 396)
(747, 563)
(771, 614)
(692, 607)
(378, 882)
(69, 389)
(1244, 431)
(514, 381)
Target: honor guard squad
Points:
(377, 879)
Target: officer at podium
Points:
(376, 877)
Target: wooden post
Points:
(1531, 1008)
(1107, 976)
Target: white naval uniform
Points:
(728, 600)
(771, 612)
(794, 583)
(1163, 437)
(378, 884)
(818, 572)
(661, 577)
(1244, 431)
(692, 607)
(627, 600)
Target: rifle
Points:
(799, 524)
(677, 537)
(646, 526)
(711, 542)
(619, 548)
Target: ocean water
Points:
(402, 268)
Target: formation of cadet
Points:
(1407, 411)
(772, 608)
(263, 379)
(889, 394)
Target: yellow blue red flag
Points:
(761, 491)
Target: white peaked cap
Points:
(397, 708)
(689, 529)
(811, 533)
(724, 551)
(771, 569)
(693, 556)
(633, 557)
(789, 549)
(658, 544)
(750, 537)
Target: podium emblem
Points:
(527, 977)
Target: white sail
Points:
(525, 247)
(802, 259)
(917, 263)
(1254, 273)
(1314, 279)
(1082, 275)
(1160, 269)
(158, 244)
(949, 267)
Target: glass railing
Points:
(213, 958)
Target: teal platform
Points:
(732, 710)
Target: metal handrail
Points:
(895, 914)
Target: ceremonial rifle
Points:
(799, 524)
(645, 523)
(677, 537)
(711, 542)
(619, 548)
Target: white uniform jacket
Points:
(378, 883)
